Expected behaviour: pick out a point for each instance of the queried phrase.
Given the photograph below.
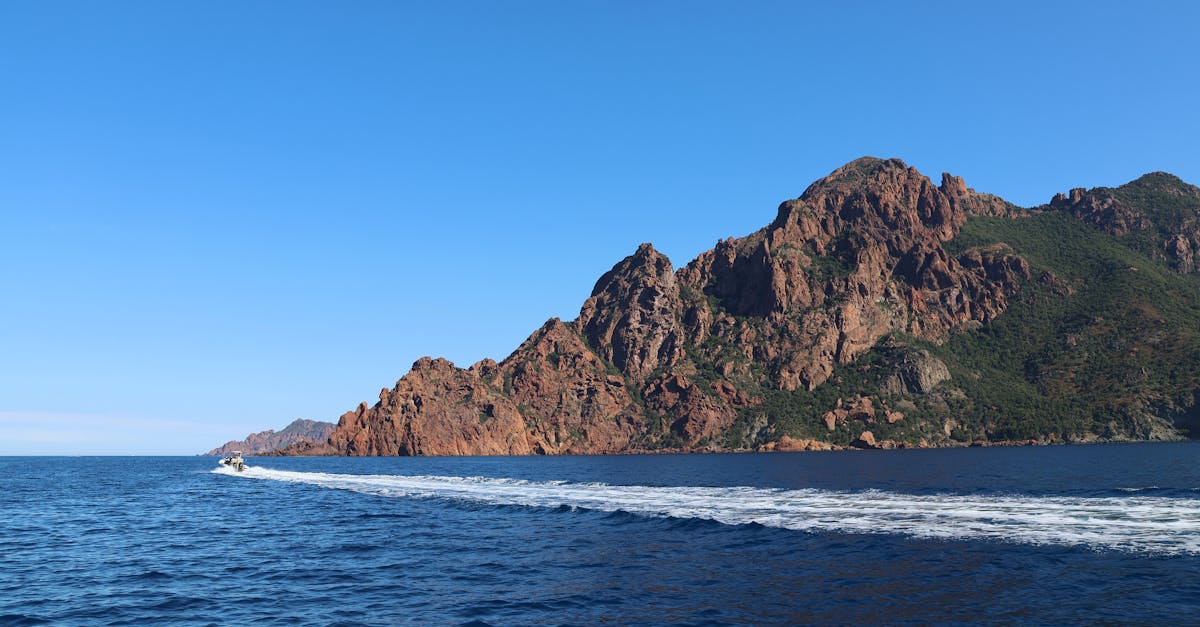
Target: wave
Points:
(1132, 523)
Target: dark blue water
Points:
(1021, 535)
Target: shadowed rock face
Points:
(857, 256)
(664, 359)
(919, 373)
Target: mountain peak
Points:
(880, 199)
(645, 249)
(868, 165)
(1164, 182)
(861, 173)
(644, 261)
(631, 317)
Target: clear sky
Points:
(221, 216)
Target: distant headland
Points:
(298, 431)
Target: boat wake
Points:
(1136, 523)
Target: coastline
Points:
(796, 446)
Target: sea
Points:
(1100, 534)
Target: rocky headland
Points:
(300, 431)
(877, 310)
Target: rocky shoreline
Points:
(785, 444)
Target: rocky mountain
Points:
(299, 431)
(876, 310)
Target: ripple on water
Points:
(20, 620)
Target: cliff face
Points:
(850, 319)
(632, 317)
(857, 256)
(552, 395)
(299, 431)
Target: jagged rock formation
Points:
(632, 317)
(841, 323)
(918, 373)
(552, 395)
(300, 431)
(1167, 227)
(857, 256)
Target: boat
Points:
(234, 460)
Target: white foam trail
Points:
(1143, 524)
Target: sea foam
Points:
(1134, 523)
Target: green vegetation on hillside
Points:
(1169, 203)
(1099, 342)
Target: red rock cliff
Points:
(659, 358)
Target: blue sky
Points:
(221, 216)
